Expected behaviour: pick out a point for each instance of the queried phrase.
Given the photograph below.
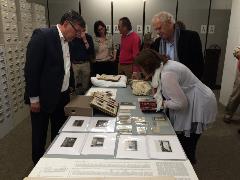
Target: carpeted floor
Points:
(218, 152)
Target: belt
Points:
(80, 61)
(126, 64)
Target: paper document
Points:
(100, 144)
(102, 124)
(70, 168)
(127, 105)
(77, 124)
(133, 147)
(165, 147)
(68, 143)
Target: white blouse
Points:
(103, 48)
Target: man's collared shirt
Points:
(66, 58)
(170, 50)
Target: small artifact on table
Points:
(105, 77)
(105, 104)
(140, 88)
(148, 105)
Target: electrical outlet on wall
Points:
(147, 29)
(139, 29)
(115, 30)
(108, 28)
(203, 29)
(211, 29)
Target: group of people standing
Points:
(58, 61)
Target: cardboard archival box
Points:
(79, 106)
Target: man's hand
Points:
(35, 107)
(83, 36)
(72, 90)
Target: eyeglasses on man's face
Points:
(78, 31)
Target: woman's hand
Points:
(136, 75)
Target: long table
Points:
(72, 166)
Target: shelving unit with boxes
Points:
(5, 109)
(17, 21)
(39, 14)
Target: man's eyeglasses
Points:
(75, 29)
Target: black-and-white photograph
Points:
(159, 118)
(97, 142)
(141, 129)
(124, 119)
(127, 104)
(156, 129)
(131, 145)
(139, 119)
(78, 123)
(165, 146)
(156, 123)
(68, 142)
(102, 123)
(124, 129)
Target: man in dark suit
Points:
(178, 44)
(47, 76)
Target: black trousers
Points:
(105, 67)
(189, 145)
(40, 123)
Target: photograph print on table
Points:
(78, 123)
(102, 123)
(68, 142)
(97, 142)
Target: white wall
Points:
(221, 4)
(58, 7)
(93, 10)
(229, 70)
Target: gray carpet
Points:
(218, 152)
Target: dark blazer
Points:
(78, 49)
(44, 68)
(189, 50)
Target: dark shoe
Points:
(239, 131)
(227, 119)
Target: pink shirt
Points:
(130, 47)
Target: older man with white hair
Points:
(178, 44)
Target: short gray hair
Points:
(163, 16)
